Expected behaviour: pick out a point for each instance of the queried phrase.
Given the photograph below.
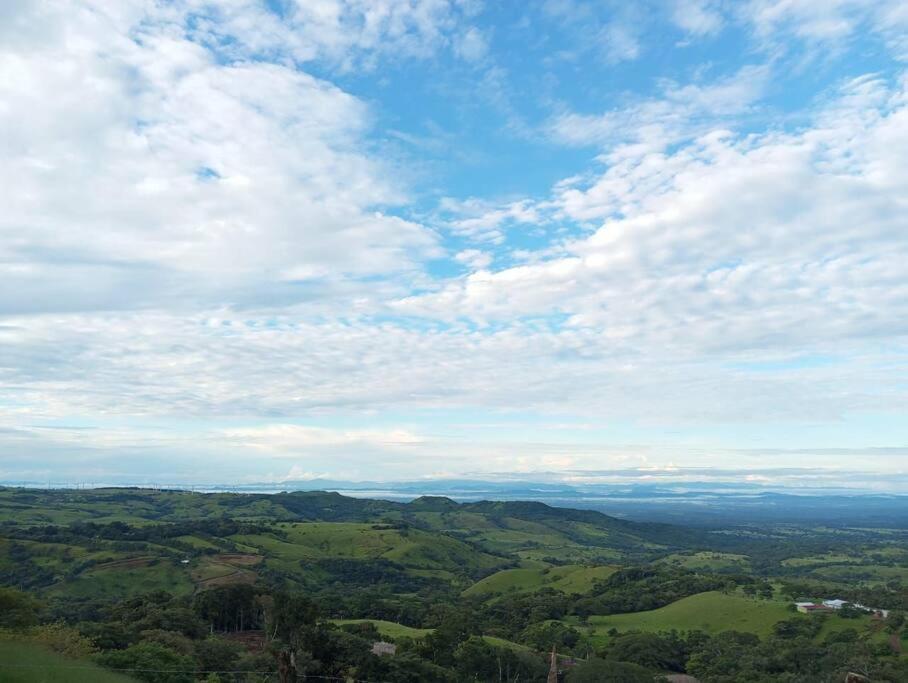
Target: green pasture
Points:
(712, 612)
(567, 579)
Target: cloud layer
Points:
(216, 234)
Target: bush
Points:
(18, 610)
(602, 671)
(150, 662)
(63, 639)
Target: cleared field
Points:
(571, 578)
(412, 548)
(390, 629)
(508, 580)
(811, 560)
(862, 573)
(27, 663)
(121, 582)
(578, 579)
(711, 612)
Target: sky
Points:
(270, 240)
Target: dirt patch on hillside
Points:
(238, 560)
(239, 576)
(252, 641)
(128, 563)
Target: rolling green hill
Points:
(711, 612)
(567, 579)
(114, 543)
(393, 630)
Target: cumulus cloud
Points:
(143, 168)
(782, 240)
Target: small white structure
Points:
(881, 613)
(809, 607)
(835, 604)
(380, 648)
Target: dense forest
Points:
(177, 586)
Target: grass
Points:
(709, 560)
(574, 579)
(507, 580)
(568, 579)
(870, 574)
(393, 630)
(389, 629)
(28, 663)
(506, 644)
(126, 582)
(828, 558)
(712, 612)
(413, 548)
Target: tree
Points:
(648, 650)
(18, 610)
(478, 660)
(151, 662)
(604, 671)
(216, 654)
(293, 618)
(543, 635)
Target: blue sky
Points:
(394, 239)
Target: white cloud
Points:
(698, 17)
(290, 440)
(195, 228)
(474, 259)
(680, 113)
(142, 169)
(472, 46)
(789, 241)
(826, 23)
(619, 43)
(485, 221)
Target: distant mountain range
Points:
(706, 504)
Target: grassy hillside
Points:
(567, 579)
(27, 663)
(712, 561)
(393, 630)
(115, 543)
(711, 612)
(389, 629)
